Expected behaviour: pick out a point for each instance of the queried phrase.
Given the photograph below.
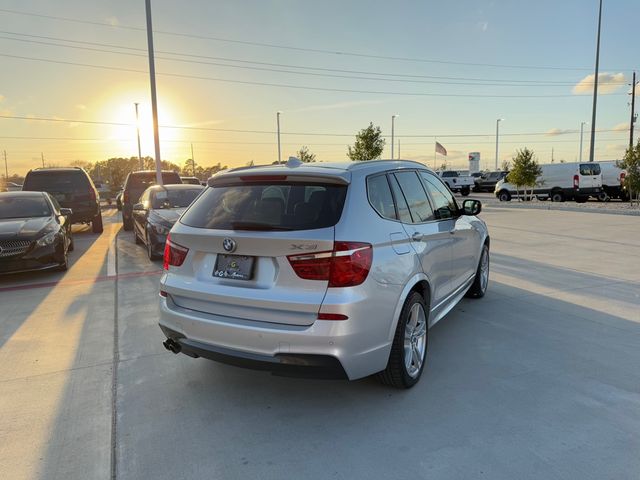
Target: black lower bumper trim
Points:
(283, 364)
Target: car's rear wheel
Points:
(479, 286)
(96, 223)
(465, 191)
(504, 196)
(557, 197)
(409, 348)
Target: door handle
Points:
(416, 237)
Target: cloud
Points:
(338, 106)
(607, 83)
(113, 21)
(483, 26)
(558, 131)
(1, 98)
(621, 127)
(80, 106)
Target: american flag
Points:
(440, 149)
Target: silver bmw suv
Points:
(328, 270)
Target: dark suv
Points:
(72, 188)
(135, 184)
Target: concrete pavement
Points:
(539, 379)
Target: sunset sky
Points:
(527, 62)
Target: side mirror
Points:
(138, 207)
(67, 212)
(471, 207)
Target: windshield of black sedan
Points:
(23, 207)
(181, 198)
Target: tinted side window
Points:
(443, 202)
(416, 197)
(380, 197)
(590, 169)
(403, 209)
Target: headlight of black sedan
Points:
(47, 239)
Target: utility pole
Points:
(154, 99)
(497, 136)
(6, 168)
(595, 90)
(138, 131)
(193, 161)
(633, 109)
(42, 157)
(551, 154)
(393, 119)
(582, 124)
(399, 157)
(278, 113)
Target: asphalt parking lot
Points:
(539, 379)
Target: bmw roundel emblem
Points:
(229, 245)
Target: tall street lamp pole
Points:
(595, 90)
(393, 119)
(278, 113)
(497, 137)
(582, 124)
(138, 132)
(154, 99)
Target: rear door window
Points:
(264, 207)
(590, 169)
(401, 202)
(416, 196)
(380, 196)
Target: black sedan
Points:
(159, 208)
(35, 233)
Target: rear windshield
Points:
(589, 169)
(23, 207)
(56, 182)
(141, 181)
(279, 206)
(174, 198)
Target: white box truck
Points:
(559, 182)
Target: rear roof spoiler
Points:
(278, 176)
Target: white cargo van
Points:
(612, 181)
(560, 182)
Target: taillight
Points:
(576, 181)
(174, 254)
(92, 194)
(622, 177)
(347, 265)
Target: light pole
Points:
(193, 161)
(582, 124)
(497, 137)
(595, 90)
(278, 113)
(393, 121)
(154, 99)
(138, 132)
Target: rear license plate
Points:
(236, 267)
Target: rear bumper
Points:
(352, 349)
(84, 213)
(286, 365)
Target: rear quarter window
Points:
(380, 197)
(254, 206)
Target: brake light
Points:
(576, 181)
(174, 254)
(622, 177)
(332, 316)
(347, 265)
(263, 178)
(92, 194)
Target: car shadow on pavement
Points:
(512, 389)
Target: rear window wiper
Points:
(257, 226)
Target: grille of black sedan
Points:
(10, 248)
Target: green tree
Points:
(368, 146)
(524, 171)
(443, 166)
(631, 163)
(305, 155)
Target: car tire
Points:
(465, 191)
(96, 224)
(603, 197)
(504, 196)
(479, 286)
(127, 225)
(557, 197)
(150, 253)
(401, 370)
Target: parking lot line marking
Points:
(67, 283)
(111, 258)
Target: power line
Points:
(299, 49)
(409, 78)
(295, 87)
(272, 132)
